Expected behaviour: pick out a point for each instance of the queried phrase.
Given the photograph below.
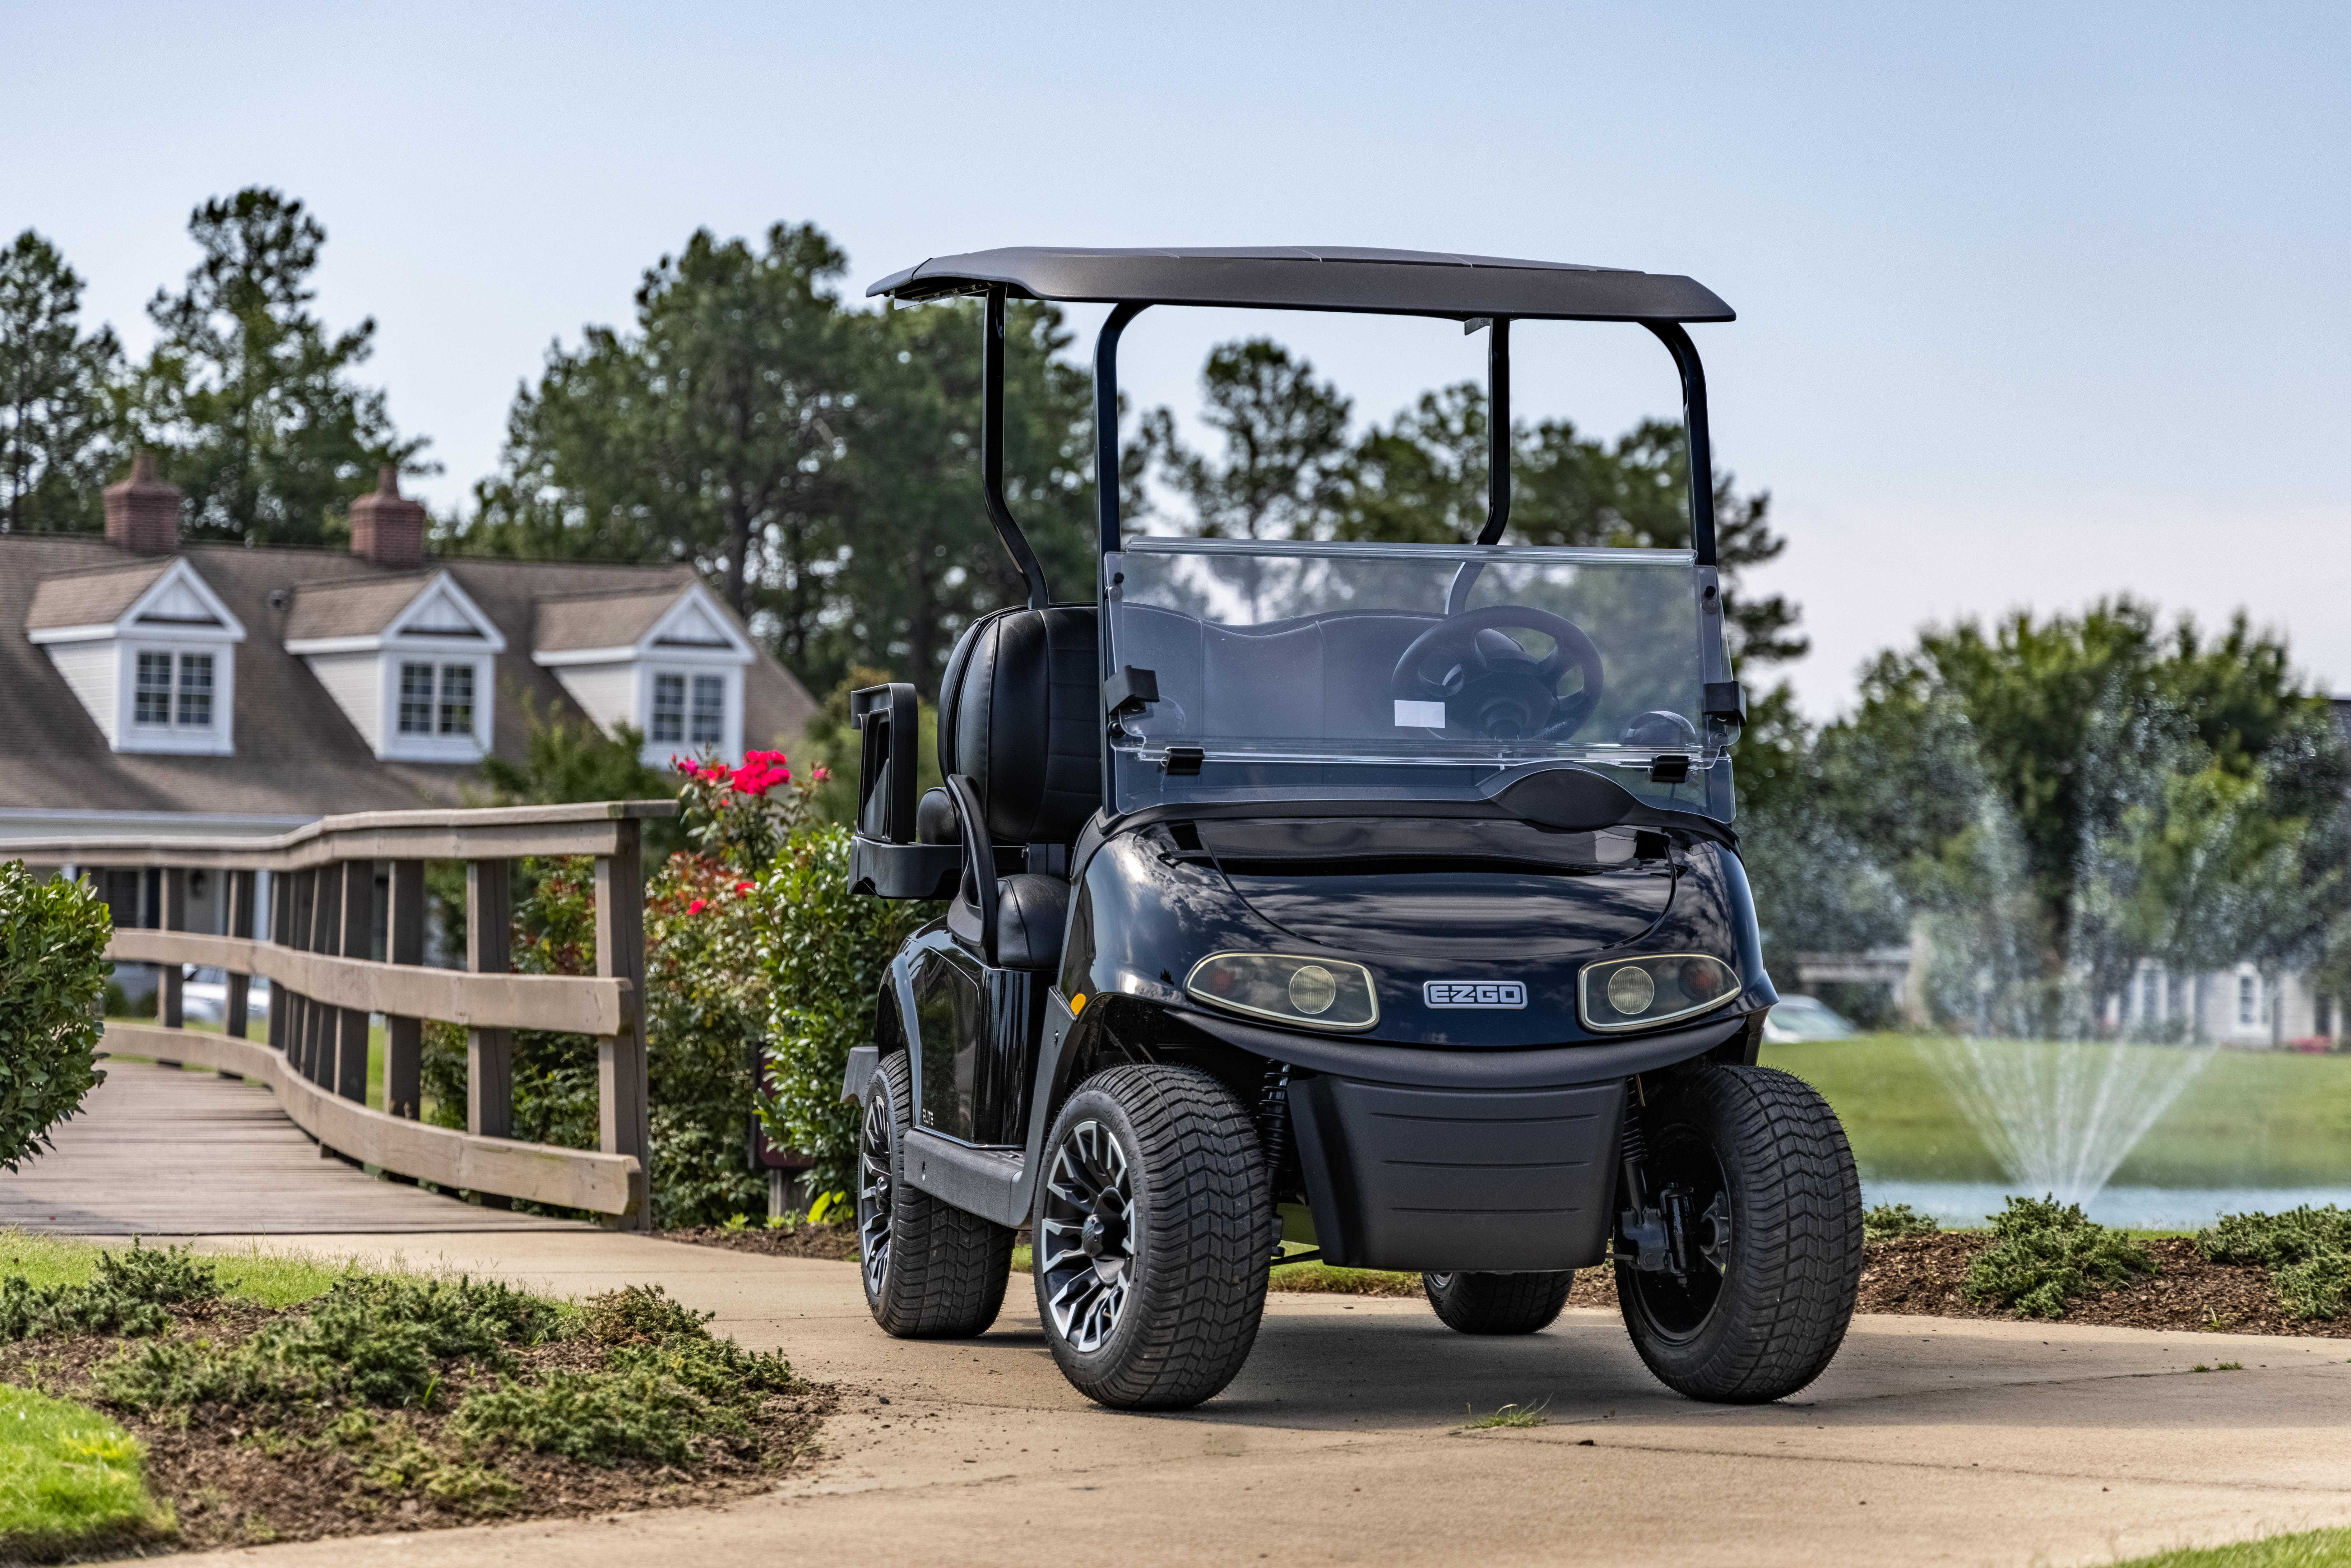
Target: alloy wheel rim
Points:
(1085, 1236)
(873, 1199)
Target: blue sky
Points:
(2037, 302)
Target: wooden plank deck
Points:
(157, 1151)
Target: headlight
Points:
(1320, 993)
(1635, 993)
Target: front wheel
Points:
(932, 1270)
(1498, 1303)
(1759, 1164)
(1150, 1238)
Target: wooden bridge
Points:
(278, 1138)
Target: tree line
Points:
(817, 461)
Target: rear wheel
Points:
(1760, 1166)
(1498, 1303)
(932, 1270)
(1150, 1238)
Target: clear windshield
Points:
(1354, 671)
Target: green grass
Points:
(2311, 1549)
(70, 1478)
(2248, 1119)
(1509, 1415)
(272, 1277)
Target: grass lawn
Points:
(2248, 1119)
(2311, 1549)
(266, 1278)
(70, 1480)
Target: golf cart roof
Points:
(1315, 277)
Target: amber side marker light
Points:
(1077, 1004)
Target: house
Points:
(153, 686)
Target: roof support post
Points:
(1107, 537)
(1696, 441)
(1498, 431)
(991, 451)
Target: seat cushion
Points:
(1031, 913)
(1018, 716)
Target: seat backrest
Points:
(1019, 713)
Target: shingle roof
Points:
(350, 608)
(602, 620)
(296, 751)
(94, 596)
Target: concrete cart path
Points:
(1929, 1441)
(157, 1151)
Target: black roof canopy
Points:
(1316, 278)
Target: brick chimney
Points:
(385, 528)
(142, 512)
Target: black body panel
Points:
(1507, 1179)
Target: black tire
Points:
(931, 1269)
(1761, 1149)
(1150, 1238)
(1498, 1303)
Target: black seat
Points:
(1019, 713)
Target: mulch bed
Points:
(837, 1243)
(1924, 1276)
(243, 1478)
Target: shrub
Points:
(1889, 1221)
(129, 1296)
(826, 952)
(53, 969)
(2044, 1254)
(2307, 1252)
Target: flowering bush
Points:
(825, 952)
(705, 996)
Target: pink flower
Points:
(822, 774)
(695, 908)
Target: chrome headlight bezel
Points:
(1599, 1013)
(1355, 1000)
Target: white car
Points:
(1793, 1019)
(203, 997)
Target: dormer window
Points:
(150, 650)
(669, 663)
(410, 660)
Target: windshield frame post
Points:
(992, 450)
(1498, 431)
(1697, 448)
(1106, 518)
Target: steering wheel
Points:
(1494, 689)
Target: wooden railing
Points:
(324, 984)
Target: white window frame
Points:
(433, 745)
(616, 686)
(213, 738)
(129, 636)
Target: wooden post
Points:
(281, 932)
(240, 924)
(403, 1038)
(168, 981)
(355, 923)
(318, 1020)
(489, 1052)
(624, 1102)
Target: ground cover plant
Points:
(2045, 1254)
(2308, 1253)
(371, 1401)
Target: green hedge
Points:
(53, 971)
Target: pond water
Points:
(1970, 1204)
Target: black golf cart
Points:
(1376, 899)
